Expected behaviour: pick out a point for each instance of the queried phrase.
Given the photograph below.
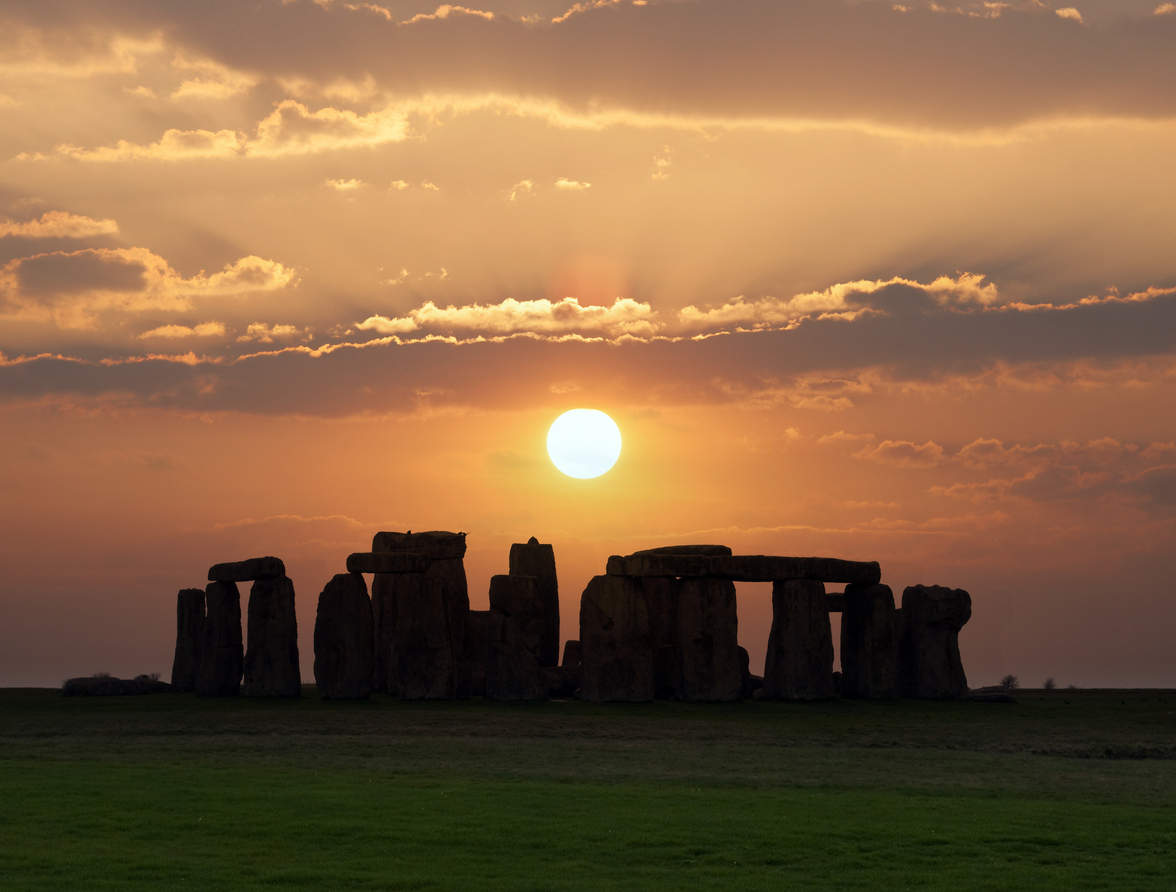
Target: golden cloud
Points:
(58, 224)
(203, 330)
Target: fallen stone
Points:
(707, 641)
(538, 560)
(929, 665)
(189, 638)
(615, 642)
(687, 549)
(477, 646)
(424, 666)
(246, 571)
(271, 657)
(344, 639)
(869, 643)
(516, 636)
(748, 683)
(437, 544)
(799, 663)
(107, 686)
(387, 562)
(745, 568)
(221, 653)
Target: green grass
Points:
(1070, 790)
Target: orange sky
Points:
(875, 281)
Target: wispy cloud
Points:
(58, 224)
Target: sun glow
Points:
(584, 443)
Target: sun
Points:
(584, 443)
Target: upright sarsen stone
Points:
(343, 639)
(616, 651)
(189, 638)
(661, 600)
(477, 646)
(423, 663)
(538, 560)
(221, 652)
(515, 639)
(707, 641)
(799, 664)
(929, 665)
(271, 658)
(869, 643)
(384, 587)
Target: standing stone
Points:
(189, 638)
(271, 659)
(423, 664)
(516, 637)
(477, 647)
(343, 639)
(614, 639)
(869, 643)
(384, 626)
(929, 666)
(800, 647)
(535, 559)
(569, 670)
(221, 653)
(661, 599)
(707, 641)
(445, 551)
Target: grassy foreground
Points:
(1066, 790)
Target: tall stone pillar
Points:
(869, 643)
(616, 651)
(189, 638)
(221, 652)
(661, 598)
(707, 640)
(538, 560)
(271, 658)
(799, 664)
(516, 638)
(929, 665)
(343, 639)
(477, 647)
(423, 663)
(384, 630)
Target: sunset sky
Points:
(855, 279)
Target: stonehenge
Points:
(660, 623)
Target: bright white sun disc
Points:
(584, 443)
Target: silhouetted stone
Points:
(800, 647)
(687, 549)
(569, 670)
(189, 638)
(929, 666)
(661, 599)
(835, 603)
(744, 567)
(221, 652)
(477, 647)
(615, 642)
(384, 587)
(707, 641)
(538, 560)
(271, 658)
(246, 571)
(387, 562)
(107, 686)
(343, 639)
(869, 643)
(437, 544)
(748, 683)
(423, 663)
(516, 637)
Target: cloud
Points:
(267, 334)
(398, 185)
(71, 288)
(904, 454)
(213, 81)
(1069, 12)
(425, 184)
(624, 317)
(445, 11)
(58, 224)
(344, 185)
(522, 187)
(571, 185)
(1166, 9)
(203, 330)
(291, 129)
(661, 163)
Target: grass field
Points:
(1063, 790)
